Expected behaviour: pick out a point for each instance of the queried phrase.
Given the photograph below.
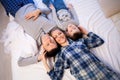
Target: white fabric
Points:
(90, 16)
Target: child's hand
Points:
(83, 30)
(70, 6)
(51, 6)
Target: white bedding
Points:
(90, 16)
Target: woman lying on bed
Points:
(75, 55)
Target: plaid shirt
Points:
(12, 6)
(82, 63)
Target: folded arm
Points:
(93, 40)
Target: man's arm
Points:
(29, 60)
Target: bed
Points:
(90, 16)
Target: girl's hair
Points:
(56, 28)
(53, 52)
(76, 35)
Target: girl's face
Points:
(59, 36)
(72, 29)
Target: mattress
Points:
(90, 16)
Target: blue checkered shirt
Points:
(12, 6)
(82, 63)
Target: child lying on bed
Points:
(61, 14)
(75, 32)
(76, 56)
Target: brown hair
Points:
(53, 52)
(55, 28)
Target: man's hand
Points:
(83, 30)
(35, 14)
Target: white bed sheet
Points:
(90, 16)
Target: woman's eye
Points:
(59, 33)
(70, 30)
(47, 44)
(55, 37)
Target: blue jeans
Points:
(58, 4)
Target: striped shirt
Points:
(82, 63)
(12, 6)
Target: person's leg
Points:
(59, 4)
(46, 2)
(33, 28)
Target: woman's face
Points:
(59, 36)
(48, 42)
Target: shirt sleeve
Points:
(55, 18)
(57, 72)
(74, 14)
(27, 61)
(93, 40)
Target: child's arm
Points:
(74, 14)
(92, 39)
(55, 18)
(29, 60)
(32, 59)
